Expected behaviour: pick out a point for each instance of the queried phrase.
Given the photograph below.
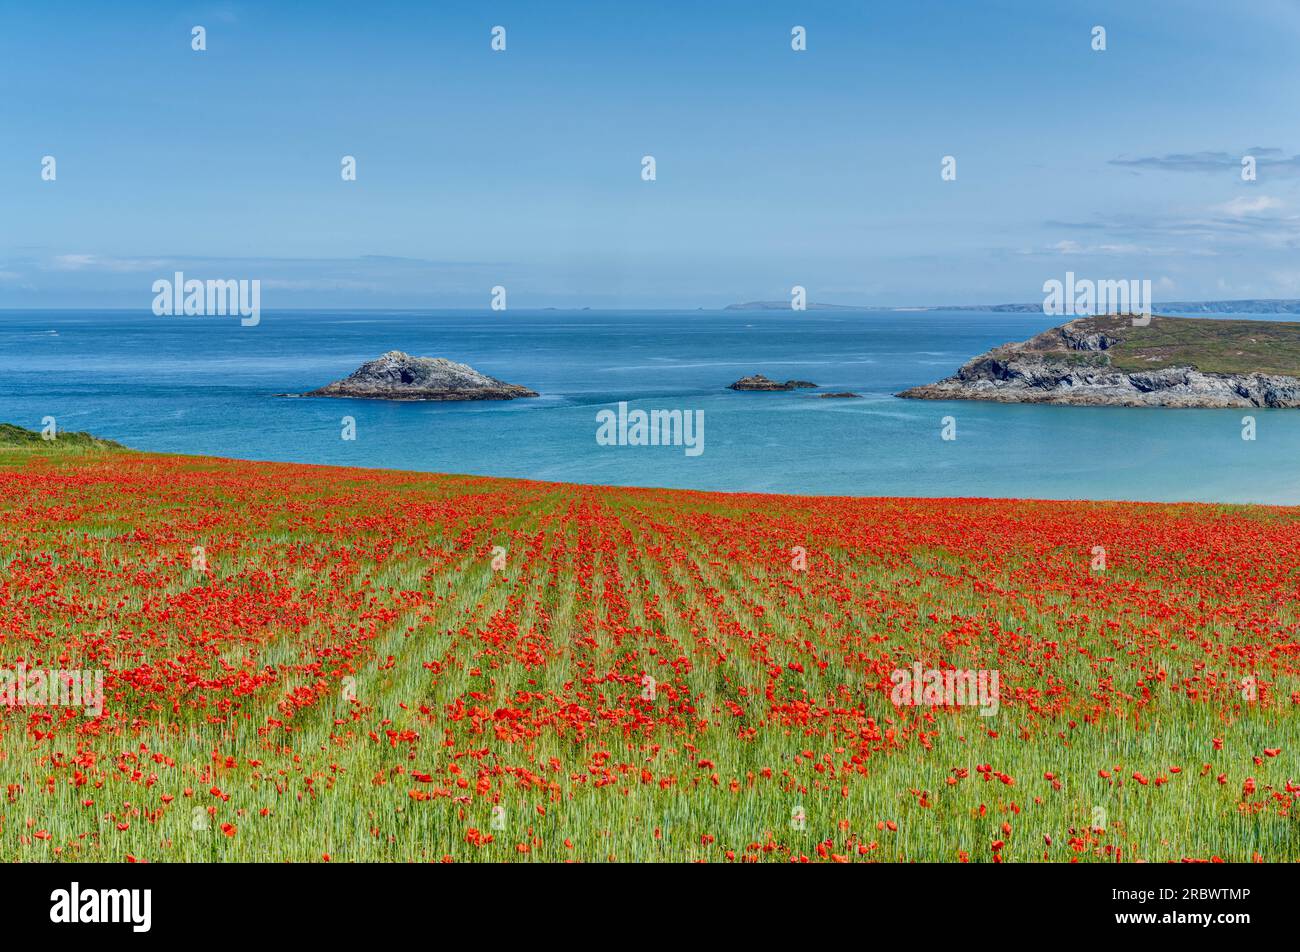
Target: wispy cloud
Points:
(77, 276)
(1244, 207)
(1069, 246)
(84, 262)
(1259, 220)
(320, 284)
(1267, 159)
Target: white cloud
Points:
(1243, 206)
(1113, 249)
(320, 284)
(80, 262)
(73, 262)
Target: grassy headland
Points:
(1210, 346)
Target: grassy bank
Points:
(15, 441)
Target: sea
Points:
(211, 386)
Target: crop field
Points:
(321, 664)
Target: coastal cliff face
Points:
(399, 376)
(1105, 361)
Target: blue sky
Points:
(522, 168)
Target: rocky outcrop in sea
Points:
(399, 376)
(759, 382)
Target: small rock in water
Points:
(759, 382)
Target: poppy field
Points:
(311, 664)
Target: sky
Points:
(523, 168)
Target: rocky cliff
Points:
(1107, 361)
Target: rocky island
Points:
(1108, 361)
(759, 382)
(399, 376)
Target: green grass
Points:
(1210, 346)
(17, 438)
(520, 683)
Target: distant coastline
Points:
(1280, 306)
(1244, 306)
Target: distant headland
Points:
(1110, 361)
(1245, 306)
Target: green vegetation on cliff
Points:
(1210, 346)
(16, 438)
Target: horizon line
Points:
(744, 306)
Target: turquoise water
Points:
(207, 385)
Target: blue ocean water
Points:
(207, 385)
